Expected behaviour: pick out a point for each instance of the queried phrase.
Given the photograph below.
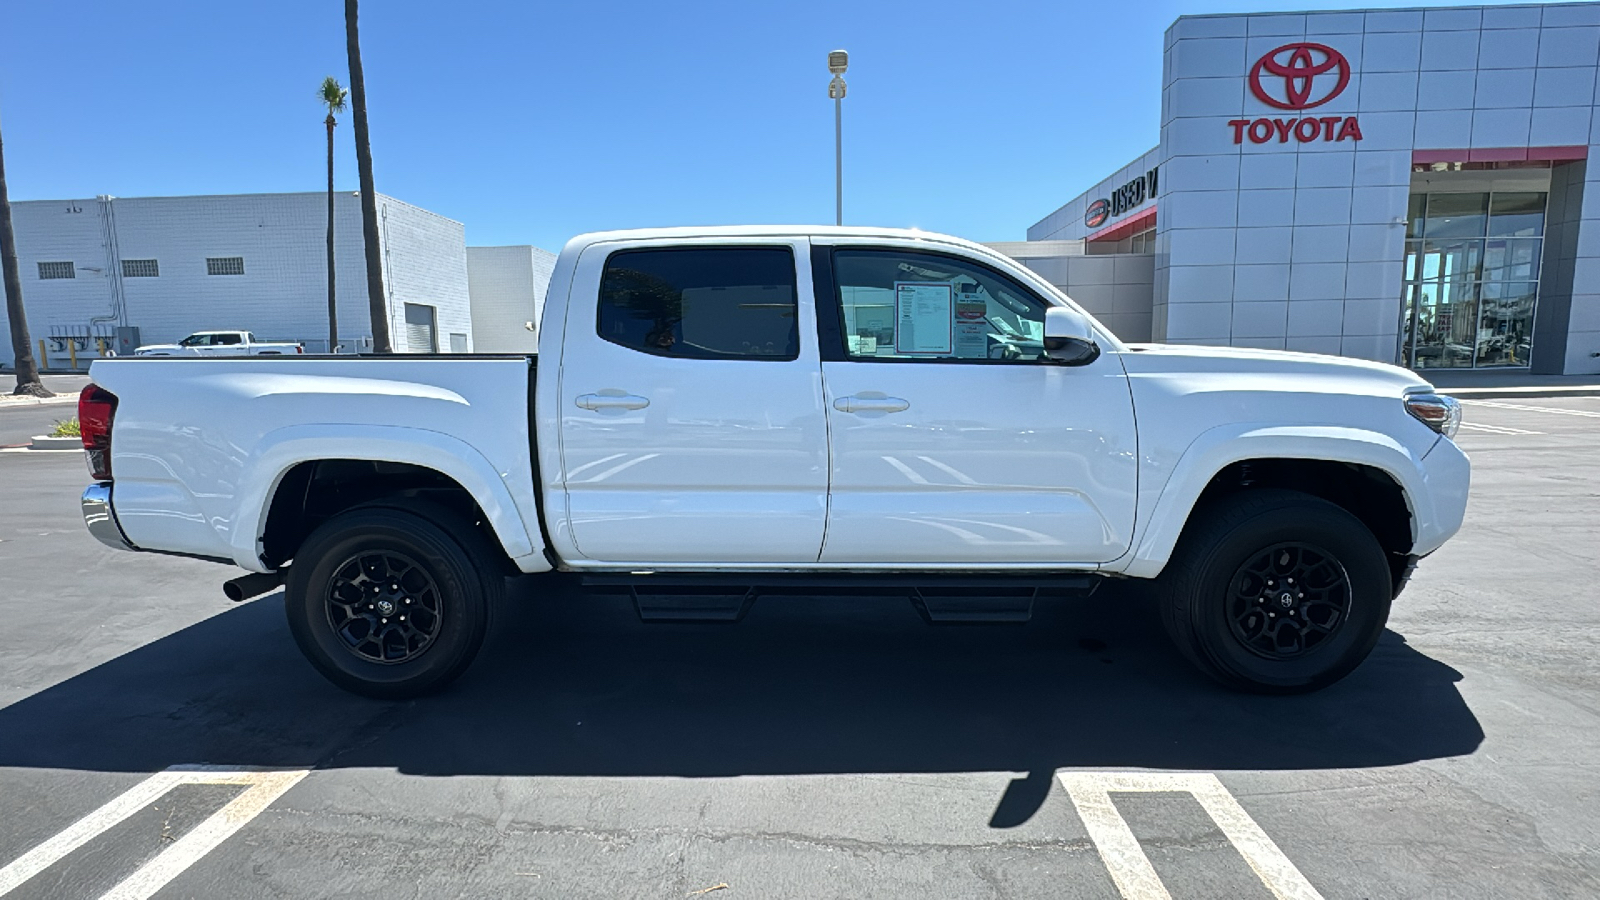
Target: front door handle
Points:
(870, 403)
(611, 400)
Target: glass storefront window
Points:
(1513, 260)
(1516, 215)
(1414, 213)
(1471, 279)
(1505, 330)
(1455, 215)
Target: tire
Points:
(1227, 601)
(448, 583)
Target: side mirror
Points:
(1068, 339)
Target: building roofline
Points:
(317, 194)
(1367, 9)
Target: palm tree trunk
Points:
(376, 302)
(27, 369)
(333, 308)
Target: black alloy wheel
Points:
(384, 606)
(1288, 600)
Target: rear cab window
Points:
(702, 302)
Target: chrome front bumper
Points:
(101, 520)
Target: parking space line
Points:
(1557, 410)
(1130, 868)
(262, 788)
(1497, 429)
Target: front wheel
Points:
(391, 602)
(1276, 591)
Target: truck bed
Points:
(189, 474)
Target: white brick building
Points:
(1404, 185)
(169, 266)
(507, 285)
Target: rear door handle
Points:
(611, 400)
(873, 402)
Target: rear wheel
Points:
(1276, 592)
(392, 602)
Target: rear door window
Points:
(702, 303)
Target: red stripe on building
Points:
(1134, 225)
(1500, 154)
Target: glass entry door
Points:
(1471, 279)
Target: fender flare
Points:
(1217, 448)
(285, 448)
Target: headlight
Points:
(1442, 414)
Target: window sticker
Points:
(862, 344)
(971, 332)
(924, 317)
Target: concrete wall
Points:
(425, 262)
(508, 286)
(1563, 221)
(1114, 288)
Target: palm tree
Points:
(27, 369)
(369, 198)
(332, 96)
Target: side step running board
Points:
(727, 597)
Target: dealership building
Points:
(1403, 185)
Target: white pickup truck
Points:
(720, 414)
(220, 343)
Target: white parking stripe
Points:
(263, 789)
(1130, 869)
(1497, 429)
(1586, 413)
(1135, 878)
(79, 833)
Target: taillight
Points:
(96, 406)
(298, 348)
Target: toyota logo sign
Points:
(1298, 76)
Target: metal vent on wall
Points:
(141, 268)
(224, 265)
(53, 270)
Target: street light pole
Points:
(838, 61)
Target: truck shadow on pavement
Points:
(576, 685)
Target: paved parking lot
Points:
(822, 748)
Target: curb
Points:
(58, 400)
(47, 442)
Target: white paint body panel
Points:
(1203, 408)
(199, 445)
(727, 463)
(1030, 464)
(728, 467)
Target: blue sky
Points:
(532, 122)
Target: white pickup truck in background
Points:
(220, 343)
(717, 415)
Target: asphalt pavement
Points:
(822, 747)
